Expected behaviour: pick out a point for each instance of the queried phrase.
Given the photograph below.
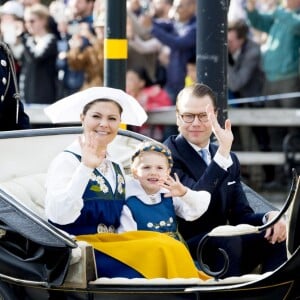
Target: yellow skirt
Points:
(152, 254)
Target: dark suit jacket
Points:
(246, 76)
(228, 200)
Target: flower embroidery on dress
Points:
(161, 224)
(101, 228)
(121, 182)
(100, 186)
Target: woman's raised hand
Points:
(92, 154)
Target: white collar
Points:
(236, 54)
(134, 188)
(197, 148)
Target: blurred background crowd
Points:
(58, 50)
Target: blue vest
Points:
(160, 217)
(102, 207)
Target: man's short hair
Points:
(240, 27)
(197, 90)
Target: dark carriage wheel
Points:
(6, 292)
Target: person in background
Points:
(154, 198)
(149, 95)
(68, 81)
(12, 114)
(77, 15)
(38, 76)
(86, 53)
(161, 9)
(280, 55)
(143, 50)
(245, 78)
(179, 34)
(191, 71)
(201, 164)
(136, 7)
(236, 10)
(12, 21)
(81, 11)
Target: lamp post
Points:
(115, 44)
(211, 50)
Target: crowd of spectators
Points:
(58, 50)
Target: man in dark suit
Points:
(12, 115)
(196, 121)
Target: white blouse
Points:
(66, 182)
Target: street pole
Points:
(115, 44)
(211, 49)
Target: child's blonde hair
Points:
(152, 146)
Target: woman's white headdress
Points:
(68, 109)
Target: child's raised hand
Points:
(175, 187)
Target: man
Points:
(246, 79)
(12, 115)
(245, 74)
(161, 9)
(179, 34)
(228, 203)
(82, 11)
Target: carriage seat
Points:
(30, 191)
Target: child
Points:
(154, 198)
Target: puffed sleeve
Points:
(66, 181)
(192, 205)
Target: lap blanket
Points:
(150, 254)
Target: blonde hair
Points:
(153, 146)
(39, 10)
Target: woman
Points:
(86, 193)
(86, 54)
(37, 57)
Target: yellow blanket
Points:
(152, 254)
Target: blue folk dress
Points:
(159, 217)
(101, 214)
